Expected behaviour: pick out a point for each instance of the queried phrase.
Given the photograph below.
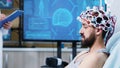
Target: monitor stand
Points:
(74, 49)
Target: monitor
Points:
(53, 20)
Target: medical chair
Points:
(113, 47)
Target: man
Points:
(96, 25)
(3, 31)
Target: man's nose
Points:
(81, 31)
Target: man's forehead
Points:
(84, 21)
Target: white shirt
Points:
(2, 32)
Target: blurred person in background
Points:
(3, 31)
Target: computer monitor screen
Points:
(6, 4)
(54, 19)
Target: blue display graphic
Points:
(54, 19)
(4, 4)
(62, 17)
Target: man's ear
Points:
(98, 31)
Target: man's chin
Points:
(83, 44)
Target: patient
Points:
(96, 26)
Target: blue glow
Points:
(54, 19)
(62, 17)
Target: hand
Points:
(2, 16)
(6, 25)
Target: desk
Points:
(32, 57)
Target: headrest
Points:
(112, 42)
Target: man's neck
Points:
(98, 44)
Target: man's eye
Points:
(85, 26)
